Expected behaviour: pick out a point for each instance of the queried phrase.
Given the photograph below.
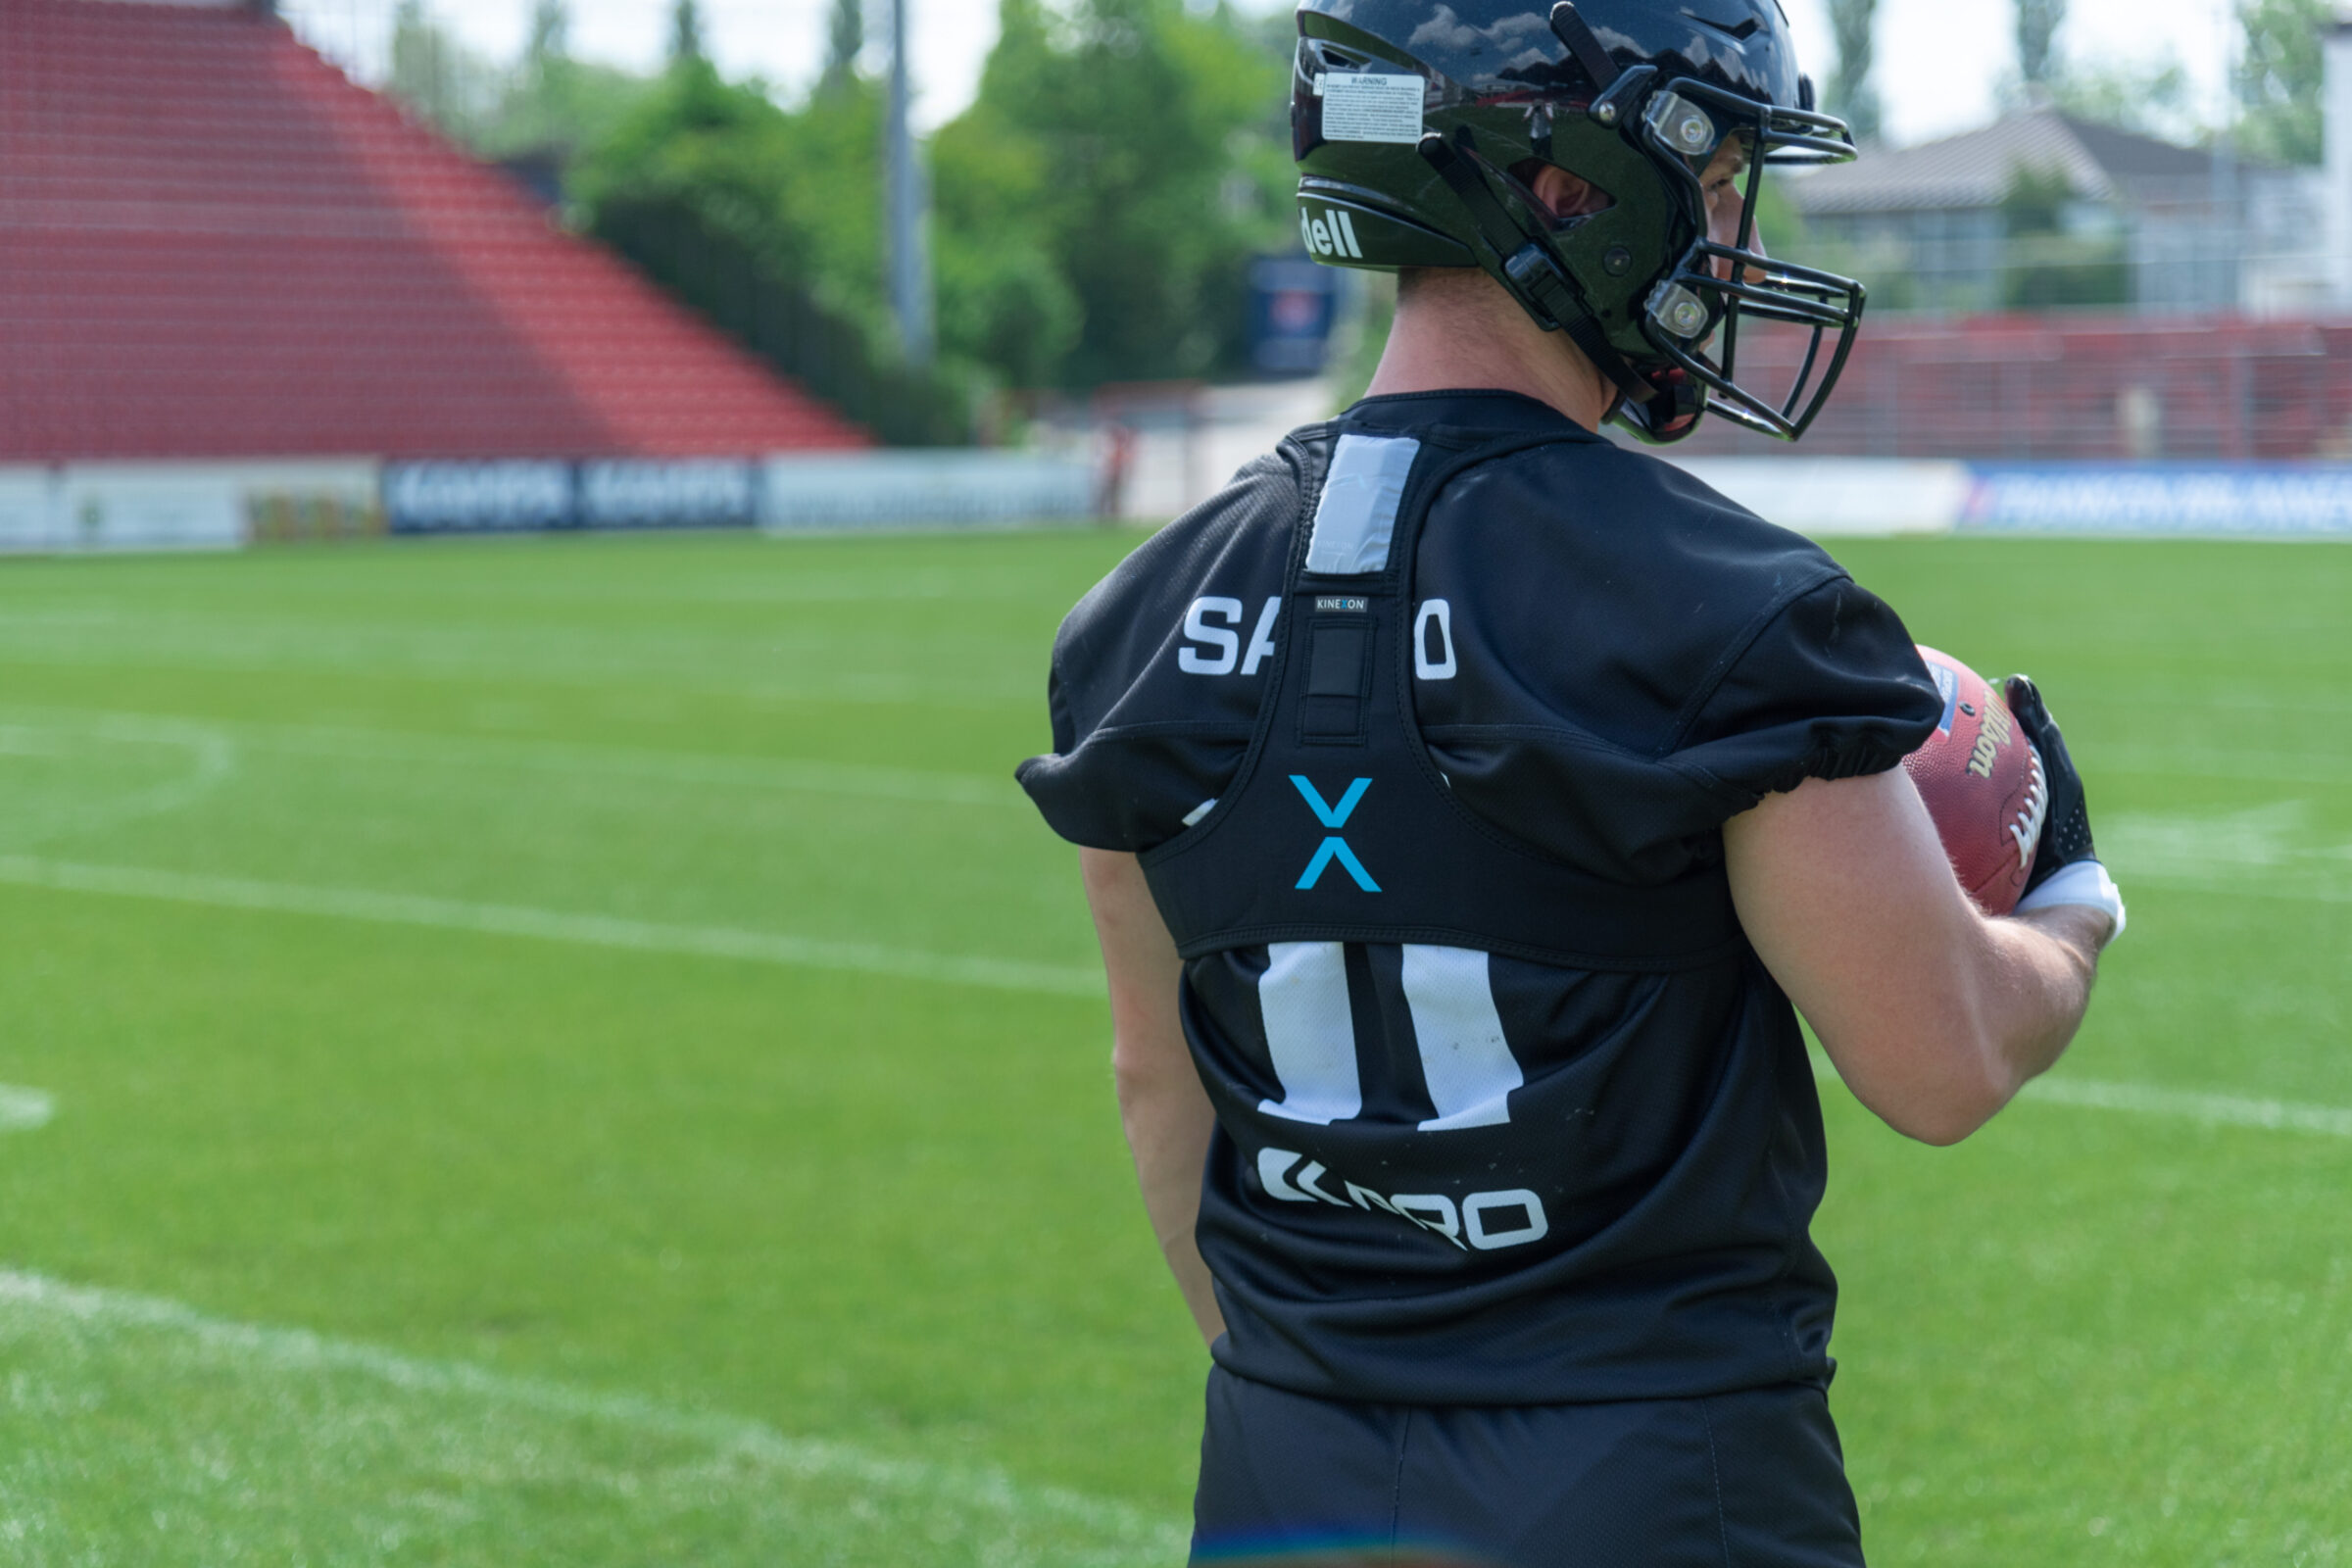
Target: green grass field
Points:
(576, 1052)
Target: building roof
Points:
(2100, 164)
(213, 245)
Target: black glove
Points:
(2066, 826)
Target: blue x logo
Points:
(1335, 848)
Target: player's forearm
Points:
(2007, 1014)
(1168, 1122)
(2047, 960)
(1162, 1106)
(1935, 1014)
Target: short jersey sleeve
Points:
(1830, 687)
(1631, 660)
(1160, 671)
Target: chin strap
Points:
(1526, 263)
(1585, 44)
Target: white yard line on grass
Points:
(2188, 762)
(548, 925)
(2183, 1104)
(2214, 1111)
(856, 780)
(714, 665)
(859, 781)
(2253, 887)
(24, 1110)
(211, 763)
(758, 1455)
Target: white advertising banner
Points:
(1825, 497)
(922, 489)
(27, 504)
(181, 505)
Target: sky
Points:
(1937, 74)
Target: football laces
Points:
(2026, 829)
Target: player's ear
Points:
(1565, 195)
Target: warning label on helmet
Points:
(1358, 106)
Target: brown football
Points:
(1983, 782)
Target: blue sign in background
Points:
(2273, 501)
(1293, 304)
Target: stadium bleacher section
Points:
(214, 246)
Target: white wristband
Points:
(2085, 883)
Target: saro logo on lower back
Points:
(1335, 848)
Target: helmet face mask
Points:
(1633, 96)
(1712, 287)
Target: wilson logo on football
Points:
(1983, 784)
(1330, 234)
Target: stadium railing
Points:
(2081, 387)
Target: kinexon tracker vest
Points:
(1341, 827)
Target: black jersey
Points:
(1425, 729)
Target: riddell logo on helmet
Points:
(1332, 235)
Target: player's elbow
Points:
(1144, 1066)
(1132, 1075)
(1943, 1122)
(1938, 1087)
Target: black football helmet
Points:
(1413, 124)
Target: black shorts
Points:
(1749, 1480)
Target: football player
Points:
(1465, 800)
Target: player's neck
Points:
(1458, 333)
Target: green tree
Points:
(2051, 266)
(2279, 79)
(844, 39)
(799, 189)
(550, 44)
(1146, 219)
(547, 104)
(1003, 298)
(1075, 238)
(2154, 100)
(437, 76)
(553, 104)
(723, 191)
(685, 31)
(1852, 93)
(2038, 25)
